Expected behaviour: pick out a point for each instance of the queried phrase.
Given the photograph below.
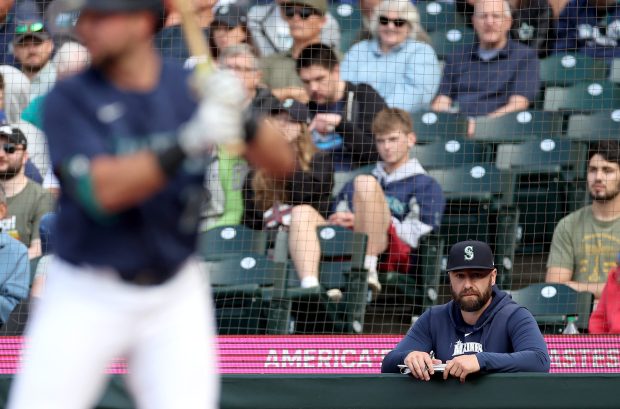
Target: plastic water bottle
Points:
(571, 328)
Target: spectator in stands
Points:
(342, 112)
(403, 69)
(271, 32)
(606, 316)
(171, 40)
(27, 200)
(591, 27)
(395, 206)
(494, 76)
(229, 27)
(306, 19)
(243, 61)
(585, 242)
(481, 329)
(16, 92)
(268, 201)
(533, 22)
(15, 277)
(71, 58)
(33, 47)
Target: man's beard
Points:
(472, 305)
(606, 197)
(10, 172)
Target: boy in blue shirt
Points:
(394, 206)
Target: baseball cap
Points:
(271, 105)
(320, 5)
(30, 29)
(13, 135)
(230, 15)
(470, 254)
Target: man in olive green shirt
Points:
(585, 243)
(27, 201)
(305, 18)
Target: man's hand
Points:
(421, 365)
(344, 219)
(219, 118)
(325, 123)
(461, 366)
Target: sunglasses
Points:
(303, 12)
(29, 28)
(11, 148)
(398, 22)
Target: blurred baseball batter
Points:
(128, 141)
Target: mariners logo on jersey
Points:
(469, 253)
(461, 348)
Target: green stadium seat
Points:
(438, 126)
(614, 70)
(603, 125)
(583, 97)
(518, 127)
(341, 267)
(543, 174)
(227, 241)
(349, 19)
(438, 16)
(249, 294)
(475, 210)
(446, 42)
(448, 153)
(551, 304)
(563, 70)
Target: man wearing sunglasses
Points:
(27, 201)
(481, 329)
(33, 48)
(306, 19)
(271, 33)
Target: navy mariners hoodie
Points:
(506, 337)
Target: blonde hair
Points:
(269, 190)
(406, 11)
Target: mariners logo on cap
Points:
(469, 253)
(224, 10)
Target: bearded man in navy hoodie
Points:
(481, 329)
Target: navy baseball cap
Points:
(114, 6)
(230, 15)
(271, 105)
(13, 135)
(470, 254)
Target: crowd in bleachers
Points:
(411, 121)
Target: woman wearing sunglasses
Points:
(396, 62)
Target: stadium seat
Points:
(551, 304)
(349, 19)
(448, 153)
(583, 97)
(475, 210)
(226, 241)
(341, 267)
(614, 71)
(543, 174)
(438, 16)
(249, 295)
(418, 290)
(446, 42)
(603, 125)
(438, 126)
(518, 127)
(563, 70)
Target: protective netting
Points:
(415, 125)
